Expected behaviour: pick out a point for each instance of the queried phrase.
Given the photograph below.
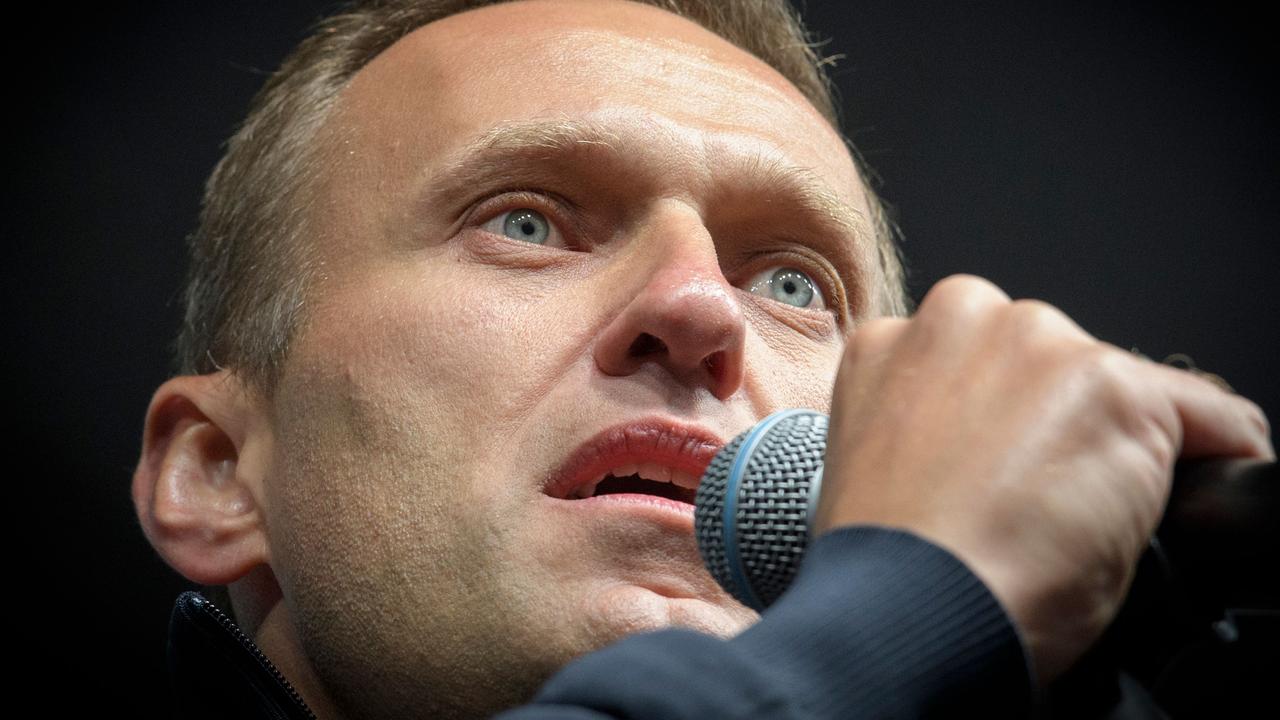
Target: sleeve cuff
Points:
(882, 623)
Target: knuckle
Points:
(1113, 377)
(961, 295)
(1118, 386)
(1033, 325)
(1037, 318)
(872, 337)
(1157, 452)
(1162, 452)
(1104, 377)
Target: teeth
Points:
(684, 479)
(648, 471)
(654, 471)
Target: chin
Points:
(624, 610)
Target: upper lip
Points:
(676, 445)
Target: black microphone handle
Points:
(1221, 532)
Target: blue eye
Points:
(788, 285)
(521, 224)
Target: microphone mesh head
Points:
(755, 556)
(708, 513)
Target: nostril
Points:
(646, 344)
(715, 364)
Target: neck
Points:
(263, 616)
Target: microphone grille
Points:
(708, 513)
(752, 513)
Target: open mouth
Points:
(652, 457)
(637, 483)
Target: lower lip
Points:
(658, 508)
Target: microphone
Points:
(1219, 539)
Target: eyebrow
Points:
(512, 152)
(490, 154)
(806, 189)
(847, 234)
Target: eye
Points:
(788, 285)
(522, 224)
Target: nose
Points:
(684, 318)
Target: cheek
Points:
(395, 391)
(790, 371)
(450, 336)
(372, 415)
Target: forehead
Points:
(453, 80)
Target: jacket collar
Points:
(218, 672)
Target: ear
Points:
(199, 504)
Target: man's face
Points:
(546, 231)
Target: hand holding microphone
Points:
(1034, 453)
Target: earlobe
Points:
(196, 502)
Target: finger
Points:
(874, 338)
(1215, 423)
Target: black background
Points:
(1115, 159)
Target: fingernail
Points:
(1260, 423)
